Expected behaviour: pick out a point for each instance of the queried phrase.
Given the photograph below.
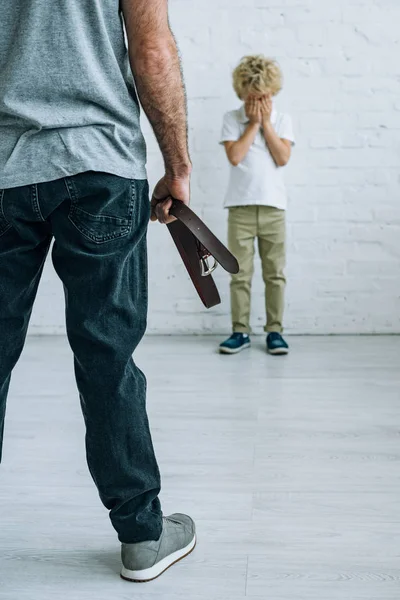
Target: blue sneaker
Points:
(276, 344)
(234, 344)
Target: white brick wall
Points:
(342, 69)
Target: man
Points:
(72, 169)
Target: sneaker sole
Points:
(233, 351)
(278, 351)
(158, 569)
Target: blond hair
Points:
(257, 74)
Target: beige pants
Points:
(267, 224)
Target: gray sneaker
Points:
(147, 560)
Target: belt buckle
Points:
(205, 267)
(204, 256)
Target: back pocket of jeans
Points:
(101, 206)
(4, 224)
(99, 228)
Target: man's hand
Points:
(166, 190)
(266, 110)
(253, 110)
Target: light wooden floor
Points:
(291, 467)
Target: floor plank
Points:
(289, 465)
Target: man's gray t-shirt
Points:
(67, 96)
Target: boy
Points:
(258, 142)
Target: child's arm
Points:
(280, 149)
(236, 151)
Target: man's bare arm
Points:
(155, 64)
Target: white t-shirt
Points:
(257, 179)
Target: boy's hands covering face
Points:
(253, 110)
(259, 109)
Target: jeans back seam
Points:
(35, 202)
(7, 225)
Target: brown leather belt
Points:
(197, 245)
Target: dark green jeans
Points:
(99, 223)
